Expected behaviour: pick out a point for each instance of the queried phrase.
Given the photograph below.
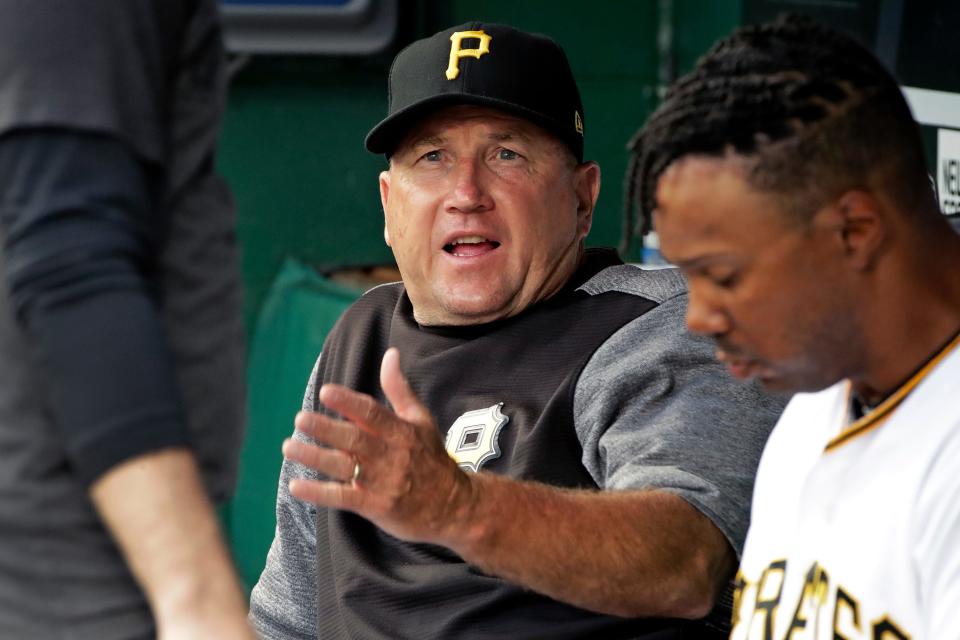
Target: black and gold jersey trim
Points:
(886, 408)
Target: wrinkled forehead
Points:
(442, 124)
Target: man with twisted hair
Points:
(785, 176)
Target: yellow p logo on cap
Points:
(453, 68)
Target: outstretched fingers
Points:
(337, 434)
(336, 495)
(358, 408)
(385, 463)
(335, 464)
(398, 391)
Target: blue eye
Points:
(507, 154)
(431, 156)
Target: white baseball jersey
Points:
(855, 529)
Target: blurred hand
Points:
(216, 625)
(407, 484)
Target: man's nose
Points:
(705, 316)
(468, 193)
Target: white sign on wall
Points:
(948, 170)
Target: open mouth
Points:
(738, 365)
(740, 369)
(469, 246)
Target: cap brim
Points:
(390, 131)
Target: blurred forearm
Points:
(157, 510)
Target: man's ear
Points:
(862, 224)
(384, 196)
(587, 186)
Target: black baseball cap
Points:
(491, 65)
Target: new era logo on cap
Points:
(492, 65)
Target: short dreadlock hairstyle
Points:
(811, 111)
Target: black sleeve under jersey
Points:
(80, 227)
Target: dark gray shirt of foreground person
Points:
(604, 389)
(109, 208)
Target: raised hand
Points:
(389, 466)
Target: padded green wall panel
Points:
(297, 314)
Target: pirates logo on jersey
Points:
(473, 438)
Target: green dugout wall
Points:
(307, 197)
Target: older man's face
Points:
(485, 213)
